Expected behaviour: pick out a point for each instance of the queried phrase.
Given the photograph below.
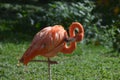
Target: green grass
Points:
(86, 63)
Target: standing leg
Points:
(49, 63)
(49, 71)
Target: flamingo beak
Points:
(68, 40)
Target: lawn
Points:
(88, 62)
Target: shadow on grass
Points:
(14, 37)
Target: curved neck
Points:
(78, 37)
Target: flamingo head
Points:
(78, 37)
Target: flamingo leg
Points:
(49, 63)
(49, 71)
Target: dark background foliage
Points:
(100, 18)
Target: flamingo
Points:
(51, 40)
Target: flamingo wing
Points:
(47, 43)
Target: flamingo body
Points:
(51, 40)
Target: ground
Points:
(87, 62)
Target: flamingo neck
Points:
(69, 49)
